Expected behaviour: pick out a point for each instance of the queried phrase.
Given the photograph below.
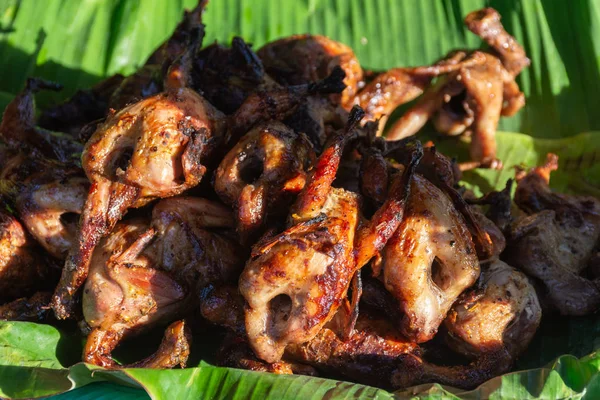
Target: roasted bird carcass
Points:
(430, 259)
(39, 176)
(124, 293)
(556, 241)
(144, 273)
(473, 97)
(397, 86)
(152, 149)
(260, 175)
(503, 314)
(295, 282)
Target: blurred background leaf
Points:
(77, 42)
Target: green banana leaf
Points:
(78, 42)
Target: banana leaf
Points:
(79, 42)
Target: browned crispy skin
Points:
(314, 194)
(443, 173)
(429, 261)
(414, 371)
(34, 308)
(556, 241)
(261, 173)
(235, 352)
(319, 55)
(504, 313)
(493, 238)
(373, 236)
(376, 354)
(23, 268)
(154, 148)
(295, 282)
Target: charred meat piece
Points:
(500, 205)
(145, 82)
(319, 55)
(264, 104)
(556, 241)
(223, 305)
(23, 268)
(493, 236)
(34, 308)
(295, 282)
(227, 75)
(173, 351)
(236, 352)
(19, 131)
(82, 108)
(413, 370)
(261, 173)
(504, 313)
(148, 80)
(369, 356)
(193, 244)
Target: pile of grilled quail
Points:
(254, 193)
